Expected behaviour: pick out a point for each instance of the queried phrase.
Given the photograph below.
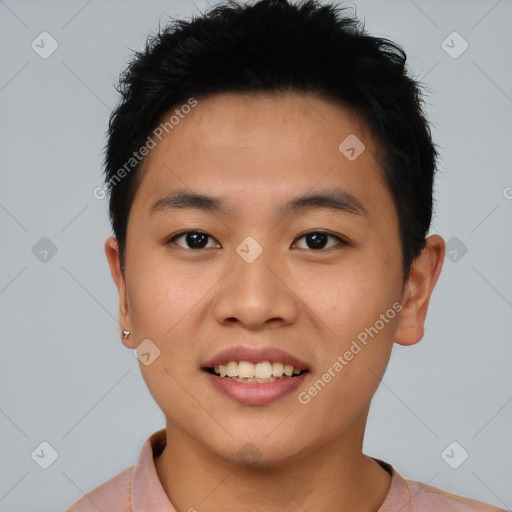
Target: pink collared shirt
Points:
(138, 489)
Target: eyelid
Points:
(172, 238)
(342, 241)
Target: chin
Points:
(258, 452)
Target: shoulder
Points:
(412, 496)
(112, 495)
(432, 499)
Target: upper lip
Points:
(255, 355)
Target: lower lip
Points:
(255, 393)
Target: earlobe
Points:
(423, 277)
(114, 262)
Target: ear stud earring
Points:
(126, 334)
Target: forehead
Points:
(260, 148)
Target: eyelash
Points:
(341, 242)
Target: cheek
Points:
(160, 294)
(352, 363)
(348, 300)
(359, 312)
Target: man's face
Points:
(310, 296)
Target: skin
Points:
(256, 152)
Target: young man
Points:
(270, 175)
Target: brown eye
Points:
(317, 240)
(192, 240)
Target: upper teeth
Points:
(264, 370)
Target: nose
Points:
(257, 295)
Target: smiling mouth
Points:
(259, 373)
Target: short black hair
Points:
(278, 46)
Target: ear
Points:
(114, 262)
(423, 277)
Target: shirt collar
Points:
(399, 497)
(147, 493)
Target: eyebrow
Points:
(332, 199)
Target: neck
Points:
(335, 476)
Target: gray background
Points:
(66, 378)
